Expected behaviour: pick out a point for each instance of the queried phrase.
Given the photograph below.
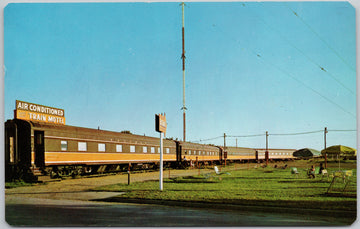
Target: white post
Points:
(161, 161)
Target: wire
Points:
(299, 81)
(311, 60)
(336, 53)
(209, 139)
(342, 130)
(309, 132)
(310, 88)
(245, 136)
(279, 134)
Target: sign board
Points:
(39, 113)
(160, 123)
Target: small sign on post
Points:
(160, 123)
(160, 126)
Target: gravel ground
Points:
(77, 189)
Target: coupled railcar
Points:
(35, 148)
(240, 154)
(199, 152)
(276, 154)
(55, 149)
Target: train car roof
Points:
(196, 144)
(40, 125)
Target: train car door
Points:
(39, 148)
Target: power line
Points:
(310, 88)
(310, 59)
(309, 132)
(336, 53)
(245, 136)
(342, 130)
(277, 134)
(299, 81)
(209, 139)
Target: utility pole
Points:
(183, 69)
(225, 152)
(325, 131)
(266, 150)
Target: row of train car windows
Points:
(82, 146)
(280, 153)
(200, 153)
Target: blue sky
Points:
(281, 67)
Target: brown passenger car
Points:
(60, 149)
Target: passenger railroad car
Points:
(60, 149)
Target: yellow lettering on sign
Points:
(39, 117)
(20, 105)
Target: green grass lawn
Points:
(251, 187)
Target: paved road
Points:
(67, 203)
(83, 213)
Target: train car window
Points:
(38, 139)
(158, 150)
(152, 149)
(64, 145)
(189, 152)
(144, 149)
(82, 146)
(101, 147)
(118, 148)
(167, 150)
(132, 149)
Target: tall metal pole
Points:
(183, 68)
(225, 152)
(266, 151)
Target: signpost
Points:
(160, 126)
